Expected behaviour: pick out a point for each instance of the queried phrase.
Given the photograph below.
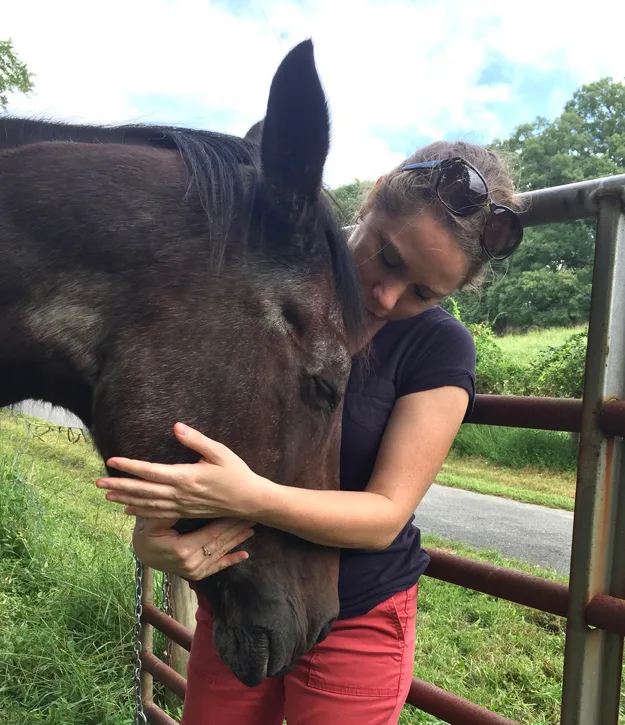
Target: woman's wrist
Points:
(261, 499)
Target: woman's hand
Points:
(191, 556)
(219, 485)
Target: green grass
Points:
(66, 593)
(523, 347)
(518, 447)
(66, 584)
(529, 485)
(65, 599)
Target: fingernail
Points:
(182, 429)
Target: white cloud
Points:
(394, 64)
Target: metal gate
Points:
(594, 601)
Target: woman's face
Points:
(406, 266)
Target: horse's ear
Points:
(296, 129)
(255, 133)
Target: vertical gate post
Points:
(593, 657)
(183, 608)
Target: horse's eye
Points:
(293, 319)
(320, 393)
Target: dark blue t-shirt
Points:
(424, 352)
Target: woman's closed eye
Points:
(389, 256)
(391, 259)
(421, 294)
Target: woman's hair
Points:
(402, 194)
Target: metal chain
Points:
(168, 612)
(140, 718)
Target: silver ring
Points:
(206, 551)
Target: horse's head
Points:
(292, 335)
(263, 360)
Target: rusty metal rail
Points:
(156, 716)
(594, 602)
(164, 674)
(514, 586)
(167, 625)
(563, 414)
(451, 708)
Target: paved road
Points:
(517, 530)
(524, 531)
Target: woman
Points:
(427, 229)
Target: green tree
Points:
(14, 76)
(350, 198)
(548, 280)
(601, 105)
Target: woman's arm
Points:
(420, 431)
(418, 436)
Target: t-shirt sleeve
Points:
(445, 356)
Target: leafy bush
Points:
(495, 374)
(559, 371)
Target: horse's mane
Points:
(222, 169)
(225, 170)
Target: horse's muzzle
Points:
(259, 652)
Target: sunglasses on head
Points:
(462, 190)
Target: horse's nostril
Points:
(320, 393)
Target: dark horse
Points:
(149, 275)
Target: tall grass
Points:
(523, 347)
(66, 584)
(518, 447)
(65, 614)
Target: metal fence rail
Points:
(594, 602)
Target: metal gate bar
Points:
(593, 657)
(156, 716)
(451, 708)
(513, 586)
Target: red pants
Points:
(359, 675)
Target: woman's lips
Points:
(375, 314)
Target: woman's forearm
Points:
(344, 519)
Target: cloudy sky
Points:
(398, 73)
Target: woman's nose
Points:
(387, 294)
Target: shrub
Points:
(559, 371)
